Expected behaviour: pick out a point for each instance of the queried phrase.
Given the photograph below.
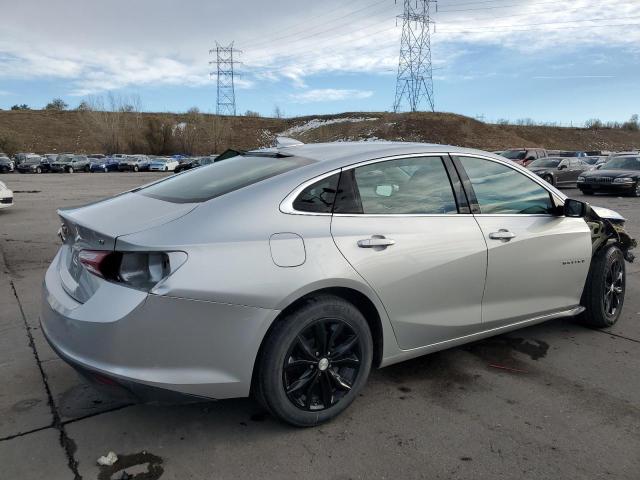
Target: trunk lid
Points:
(97, 227)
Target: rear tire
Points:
(300, 380)
(603, 296)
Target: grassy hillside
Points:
(162, 133)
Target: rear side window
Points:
(418, 186)
(205, 183)
(503, 190)
(319, 197)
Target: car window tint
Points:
(202, 184)
(318, 197)
(405, 186)
(503, 190)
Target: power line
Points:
(545, 29)
(599, 19)
(312, 35)
(414, 83)
(226, 95)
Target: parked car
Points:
(524, 156)
(163, 165)
(71, 163)
(620, 175)
(134, 163)
(108, 164)
(6, 196)
(558, 171)
(21, 157)
(6, 165)
(34, 164)
(291, 272)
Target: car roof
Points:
(345, 153)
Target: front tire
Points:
(604, 292)
(135, 168)
(70, 169)
(38, 170)
(314, 362)
(636, 191)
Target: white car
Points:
(6, 196)
(163, 165)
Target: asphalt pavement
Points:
(552, 401)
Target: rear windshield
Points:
(221, 177)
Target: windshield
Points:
(623, 163)
(220, 178)
(514, 154)
(545, 162)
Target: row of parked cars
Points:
(606, 172)
(70, 163)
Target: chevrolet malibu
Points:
(288, 273)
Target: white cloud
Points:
(123, 43)
(329, 95)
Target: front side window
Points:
(418, 186)
(318, 197)
(503, 190)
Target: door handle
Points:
(376, 241)
(502, 234)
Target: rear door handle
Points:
(502, 234)
(376, 241)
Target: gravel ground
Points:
(569, 408)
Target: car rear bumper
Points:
(153, 344)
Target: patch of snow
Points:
(317, 123)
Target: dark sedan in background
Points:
(6, 164)
(34, 164)
(109, 164)
(620, 175)
(558, 171)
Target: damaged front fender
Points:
(607, 226)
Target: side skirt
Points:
(454, 342)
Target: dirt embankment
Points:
(163, 133)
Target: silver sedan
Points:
(288, 273)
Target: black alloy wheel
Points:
(314, 362)
(604, 291)
(322, 364)
(613, 288)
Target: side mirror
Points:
(574, 208)
(384, 190)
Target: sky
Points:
(562, 61)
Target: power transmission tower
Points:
(226, 102)
(414, 84)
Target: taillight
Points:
(97, 261)
(141, 270)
